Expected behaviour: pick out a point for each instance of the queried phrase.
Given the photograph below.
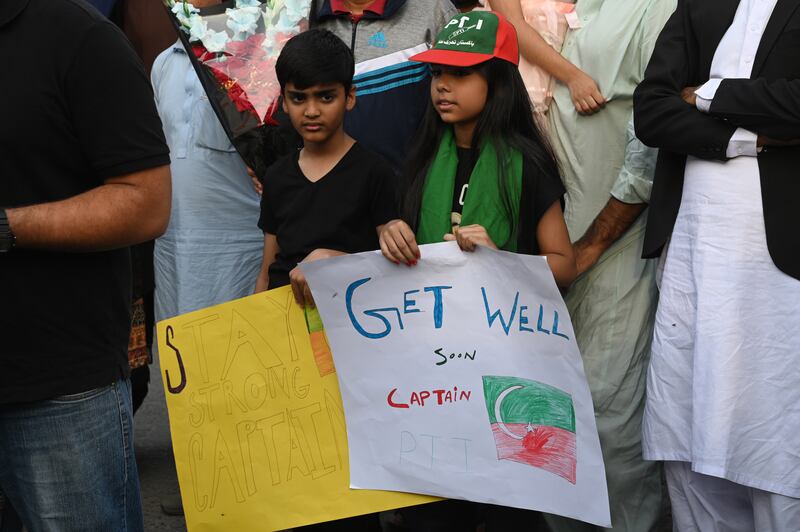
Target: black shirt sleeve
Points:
(274, 175)
(111, 104)
(539, 190)
(266, 219)
(549, 189)
(383, 204)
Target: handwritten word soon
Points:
(466, 355)
(419, 398)
(519, 312)
(409, 307)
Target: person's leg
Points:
(140, 382)
(9, 520)
(504, 519)
(612, 309)
(445, 516)
(702, 503)
(359, 523)
(67, 464)
(775, 513)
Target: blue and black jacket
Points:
(392, 92)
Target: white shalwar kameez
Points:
(723, 389)
(212, 249)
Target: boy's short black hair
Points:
(315, 57)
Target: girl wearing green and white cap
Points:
(481, 172)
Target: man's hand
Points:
(398, 243)
(256, 181)
(585, 94)
(586, 254)
(470, 236)
(766, 141)
(608, 226)
(689, 96)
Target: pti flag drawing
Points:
(533, 423)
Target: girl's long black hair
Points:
(506, 121)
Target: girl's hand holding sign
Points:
(398, 243)
(470, 236)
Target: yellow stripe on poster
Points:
(257, 421)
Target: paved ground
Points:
(154, 457)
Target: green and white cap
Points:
(471, 38)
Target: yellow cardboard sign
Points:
(257, 421)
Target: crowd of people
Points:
(655, 176)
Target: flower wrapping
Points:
(233, 47)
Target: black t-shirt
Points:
(75, 109)
(340, 211)
(539, 191)
(467, 157)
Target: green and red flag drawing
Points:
(533, 423)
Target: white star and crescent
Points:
(498, 404)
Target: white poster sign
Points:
(461, 378)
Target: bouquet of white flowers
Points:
(233, 47)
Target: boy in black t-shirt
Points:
(331, 197)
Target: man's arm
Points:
(123, 211)
(629, 197)
(769, 108)
(608, 226)
(662, 118)
(744, 141)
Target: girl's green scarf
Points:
(484, 203)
